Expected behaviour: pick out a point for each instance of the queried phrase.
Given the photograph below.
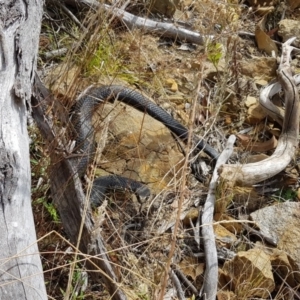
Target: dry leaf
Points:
(246, 142)
(255, 114)
(264, 42)
(293, 4)
(191, 267)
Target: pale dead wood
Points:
(266, 103)
(176, 282)
(134, 22)
(253, 173)
(211, 257)
(70, 200)
(21, 273)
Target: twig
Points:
(55, 53)
(211, 258)
(177, 285)
(70, 15)
(186, 281)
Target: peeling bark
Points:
(21, 274)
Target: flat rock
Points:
(251, 274)
(281, 223)
(259, 68)
(138, 147)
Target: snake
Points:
(82, 128)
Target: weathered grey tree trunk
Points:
(21, 274)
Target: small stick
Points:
(211, 257)
(177, 285)
(70, 15)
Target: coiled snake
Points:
(82, 126)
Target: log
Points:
(21, 274)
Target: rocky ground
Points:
(212, 88)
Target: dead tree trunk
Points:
(21, 274)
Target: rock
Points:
(224, 236)
(138, 147)
(251, 274)
(260, 68)
(284, 266)
(255, 114)
(172, 85)
(288, 29)
(281, 223)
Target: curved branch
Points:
(131, 21)
(252, 173)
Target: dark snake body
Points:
(81, 119)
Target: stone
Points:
(224, 236)
(289, 28)
(255, 114)
(281, 223)
(259, 68)
(138, 147)
(251, 274)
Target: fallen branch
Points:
(253, 173)
(134, 22)
(211, 257)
